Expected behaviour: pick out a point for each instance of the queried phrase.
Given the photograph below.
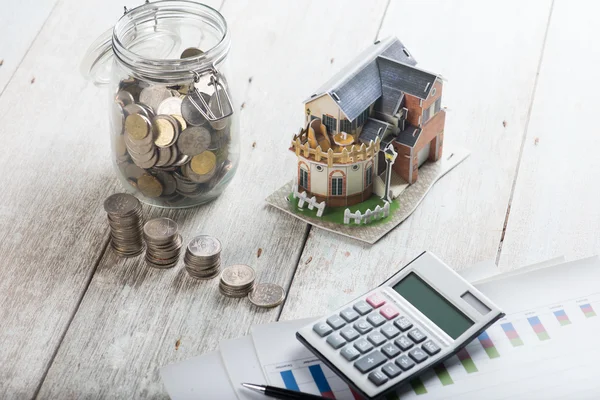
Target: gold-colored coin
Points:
(204, 162)
(181, 121)
(163, 131)
(137, 126)
(149, 186)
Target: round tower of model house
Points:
(340, 176)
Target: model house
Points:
(378, 99)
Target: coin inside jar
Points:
(152, 96)
(137, 126)
(170, 106)
(164, 130)
(203, 163)
(190, 112)
(191, 52)
(194, 140)
(149, 186)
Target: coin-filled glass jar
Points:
(174, 129)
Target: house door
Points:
(424, 154)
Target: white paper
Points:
(241, 364)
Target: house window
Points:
(337, 185)
(362, 118)
(345, 126)
(426, 115)
(369, 177)
(304, 178)
(437, 106)
(330, 123)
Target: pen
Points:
(284, 394)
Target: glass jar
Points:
(174, 129)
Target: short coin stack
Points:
(203, 257)
(163, 243)
(237, 281)
(125, 219)
(267, 295)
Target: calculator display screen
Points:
(433, 305)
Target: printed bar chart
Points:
(466, 361)
(562, 317)
(538, 328)
(418, 386)
(443, 375)
(289, 381)
(588, 311)
(512, 334)
(488, 345)
(317, 374)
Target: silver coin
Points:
(168, 182)
(193, 140)
(160, 228)
(238, 275)
(146, 164)
(204, 246)
(170, 106)
(190, 113)
(152, 96)
(267, 295)
(133, 171)
(164, 155)
(121, 203)
(124, 98)
(135, 109)
(218, 112)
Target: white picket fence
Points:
(368, 216)
(312, 201)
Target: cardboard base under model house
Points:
(409, 198)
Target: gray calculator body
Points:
(416, 319)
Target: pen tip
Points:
(254, 387)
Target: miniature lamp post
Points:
(390, 157)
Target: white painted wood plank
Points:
(491, 71)
(20, 22)
(555, 206)
(131, 317)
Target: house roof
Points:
(409, 136)
(372, 129)
(405, 78)
(358, 85)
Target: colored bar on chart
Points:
(289, 381)
(512, 334)
(418, 386)
(317, 373)
(443, 374)
(466, 361)
(562, 317)
(538, 328)
(488, 345)
(588, 311)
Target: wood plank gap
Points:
(535, 84)
(29, 48)
(287, 289)
(75, 310)
(385, 10)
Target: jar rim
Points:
(170, 68)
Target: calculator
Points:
(418, 318)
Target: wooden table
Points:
(76, 321)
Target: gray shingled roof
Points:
(409, 136)
(405, 78)
(358, 85)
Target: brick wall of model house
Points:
(414, 106)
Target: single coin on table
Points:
(267, 295)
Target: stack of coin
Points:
(237, 281)
(125, 219)
(267, 295)
(163, 242)
(163, 144)
(203, 257)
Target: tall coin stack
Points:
(125, 220)
(203, 257)
(163, 242)
(237, 281)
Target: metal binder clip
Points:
(220, 89)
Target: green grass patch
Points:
(336, 214)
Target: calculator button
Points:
(370, 362)
(404, 343)
(430, 347)
(376, 319)
(404, 362)
(376, 338)
(349, 315)
(375, 300)
(336, 322)
(390, 331)
(322, 329)
(349, 333)
(362, 327)
(416, 335)
(362, 307)
(390, 350)
(350, 353)
(336, 341)
(389, 312)
(378, 378)
(391, 370)
(363, 345)
(417, 354)
(403, 324)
